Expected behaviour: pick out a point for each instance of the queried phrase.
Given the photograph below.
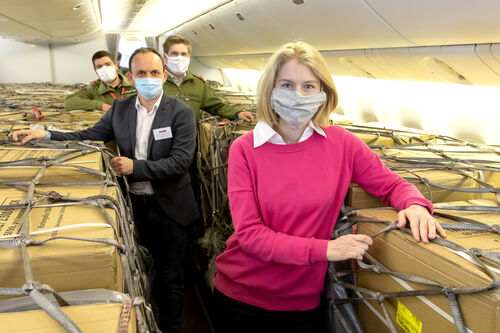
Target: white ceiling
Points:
(74, 21)
(47, 21)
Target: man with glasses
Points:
(156, 135)
(190, 88)
(111, 85)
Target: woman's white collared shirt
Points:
(263, 133)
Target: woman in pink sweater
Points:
(287, 180)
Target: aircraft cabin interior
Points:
(418, 72)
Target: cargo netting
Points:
(63, 179)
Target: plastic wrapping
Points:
(80, 297)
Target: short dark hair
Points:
(101, 54)
(175, 39)
(144, 50)
(118, 56)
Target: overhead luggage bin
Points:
(485, 53)
(243, 61)
(335, 24)
(495, 50)
(248, 20)
(400, 63)
(444, 22)
(353, 63)
(464, 60)
(211, 36)
(344, 24)
(430, 59)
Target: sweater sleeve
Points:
(253, 235)
(376, 178)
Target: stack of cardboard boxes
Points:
(73, 213)
(444, 170)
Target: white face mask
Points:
(178, 65)
(295, 109)
(107, 73)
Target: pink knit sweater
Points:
(285, 200)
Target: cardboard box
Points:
(94, 318)
(389, 135)
(69, 117)
(456, 155)
(63, 264)
(405, 161)
(52, 173)
(360, 199)
(398, 252)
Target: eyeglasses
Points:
(176, 54)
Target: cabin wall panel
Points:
(73, 62)
(20, 63)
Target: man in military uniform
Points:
(190, 88)
(112, 85)
(122, 69)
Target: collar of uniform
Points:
(139, 107)
(104, 88)
(187, 76)
(125, 82)
(262, 133)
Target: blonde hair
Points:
(306, 55)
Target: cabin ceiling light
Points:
(298, 2)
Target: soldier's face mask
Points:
(107, 73)
(296, 109)
(148, 87)
(178, 65)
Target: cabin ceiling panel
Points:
(443, 22)
(14, 29)
(50, 20)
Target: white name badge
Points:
(162, 133)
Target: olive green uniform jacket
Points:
(196, 93)
(98, 93)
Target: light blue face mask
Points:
(148, 87)
(295, 109)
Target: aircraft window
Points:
(127, 46)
